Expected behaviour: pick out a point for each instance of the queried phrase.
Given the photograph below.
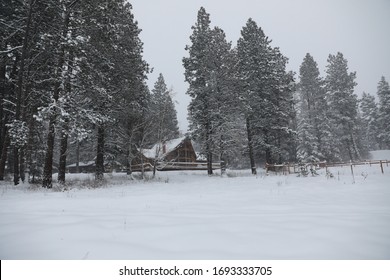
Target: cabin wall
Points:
(184, 153)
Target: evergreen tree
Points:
(314, 128)
(253, 54)
(266, 95)
(198, 73)
(163, 112)
(384, 114)
(113, 71)
(162, 117)
(369, 121)
(343, 104)
(58, 82)
(226, 117)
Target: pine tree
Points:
(162, 117)
(113, 72)
(58, 77)
(198, 72)
(163, 112)
(253, 54)
(226, 117)
(343, 103)
(12, 15)
(369, 121)
(384, 114)
(266, 96)
(314, 129)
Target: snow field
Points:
(188, 215)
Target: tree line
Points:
(73, 87)
(246, 107)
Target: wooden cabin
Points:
(175, 154)
(90, 167)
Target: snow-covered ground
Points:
(188, 215)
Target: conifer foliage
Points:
(250, 84)
(79, 70)
(314, 128)
(73, 88)
(205, 70)
(384, 113)
(369, 122)
(344, 105)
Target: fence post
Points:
(381, 166)
(353, 176)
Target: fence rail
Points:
(168, 166)
(288, 168)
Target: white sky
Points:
(360, 29)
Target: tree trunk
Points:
(63, 153)
(222, 156)
(3, 158)
(22, 164)
(65, 125)
(9, 90)
(129, 160)
(250, 146)
(78, 156)
(268, 155)
(2, 95)
(20, 88)
(48, 167)
(209, 154)
(99, 174)
(30, 141)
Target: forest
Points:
(73, 85)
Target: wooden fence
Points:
(289, 168)
(168, 166)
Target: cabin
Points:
(90, 167)
(175, 154)
(175, 150)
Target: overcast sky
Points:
(360, 29)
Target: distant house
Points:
(175, 154)
(84, 167)
(90, 167)
(175, 150)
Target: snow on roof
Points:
(157, 149)
(88, 163)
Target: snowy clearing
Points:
(188, 215)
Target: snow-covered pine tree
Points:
(162, 116)
(12, 14)
(113, 71)
(163, 112)
(266, 95)
(313, 126)
(32, 36)
(369, 121)
(384, 113)
(253, 69)
(343, 105)
(200, 74)
(59, 81)
(227, 119)
(282, 134)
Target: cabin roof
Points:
(157, 149)
(88, 163)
